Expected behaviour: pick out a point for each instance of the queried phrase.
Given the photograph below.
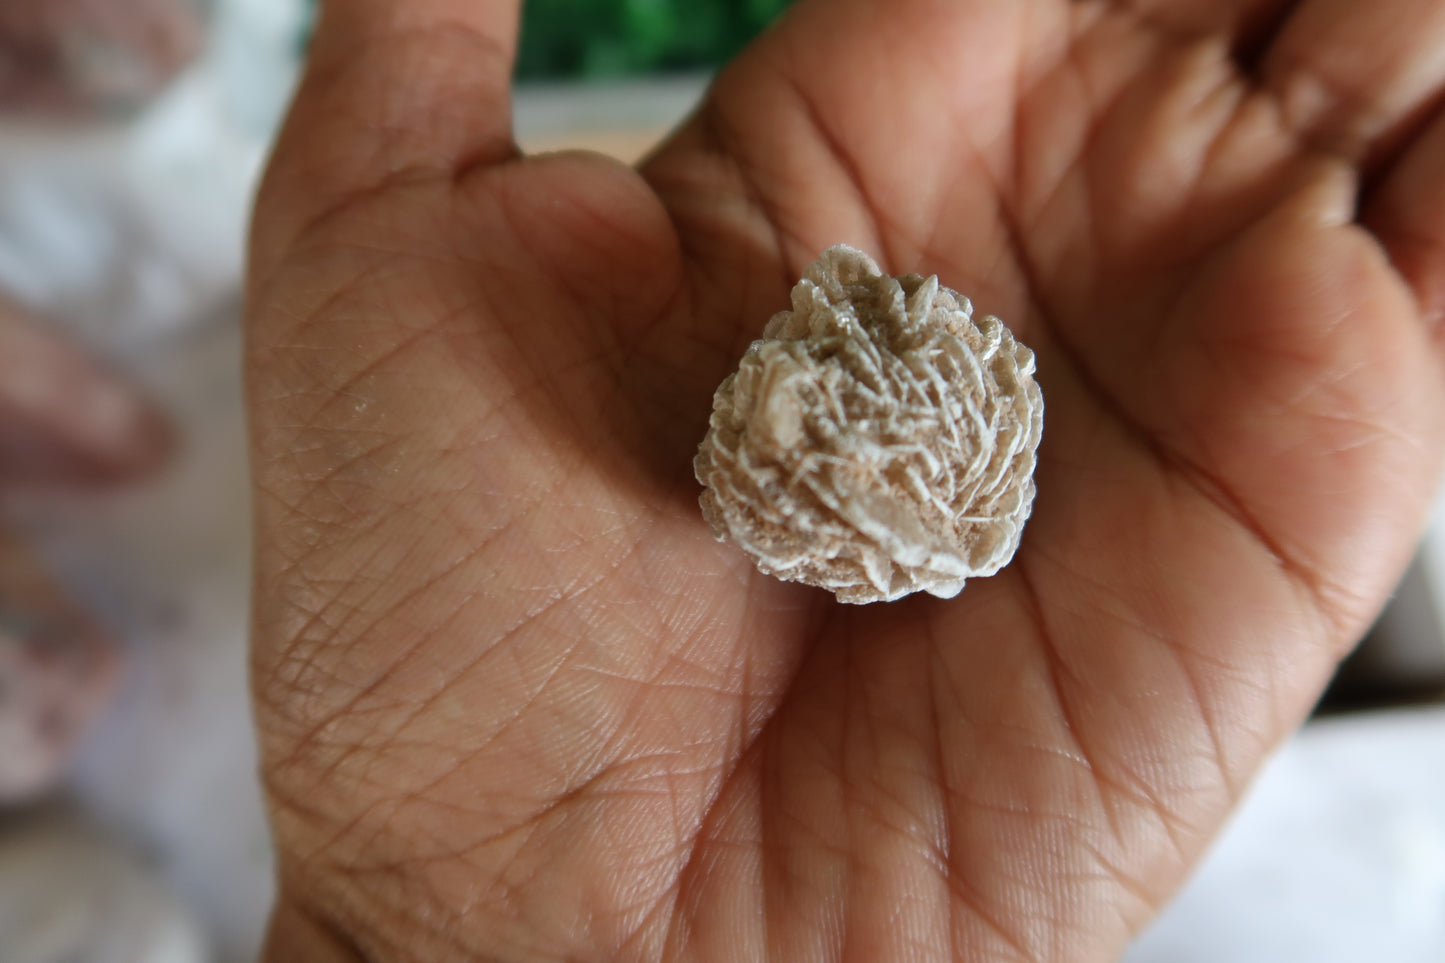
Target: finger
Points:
(1407, 213)
(798, 143)
(64, 419)
(1350, 77)
(392, 88)
(1242, 22)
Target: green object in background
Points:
(569, 39)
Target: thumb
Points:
(393, 89)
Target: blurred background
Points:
(132, 133)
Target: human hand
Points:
(514, 700)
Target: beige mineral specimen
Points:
(877, 441)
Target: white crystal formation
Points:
(878, 440)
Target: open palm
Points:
(516, 703)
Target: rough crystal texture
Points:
(878, 440)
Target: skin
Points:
(516, 703)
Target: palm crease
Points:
(516, 701)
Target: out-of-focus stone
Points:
(86, 55)
(57, 672)
(69, 896)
